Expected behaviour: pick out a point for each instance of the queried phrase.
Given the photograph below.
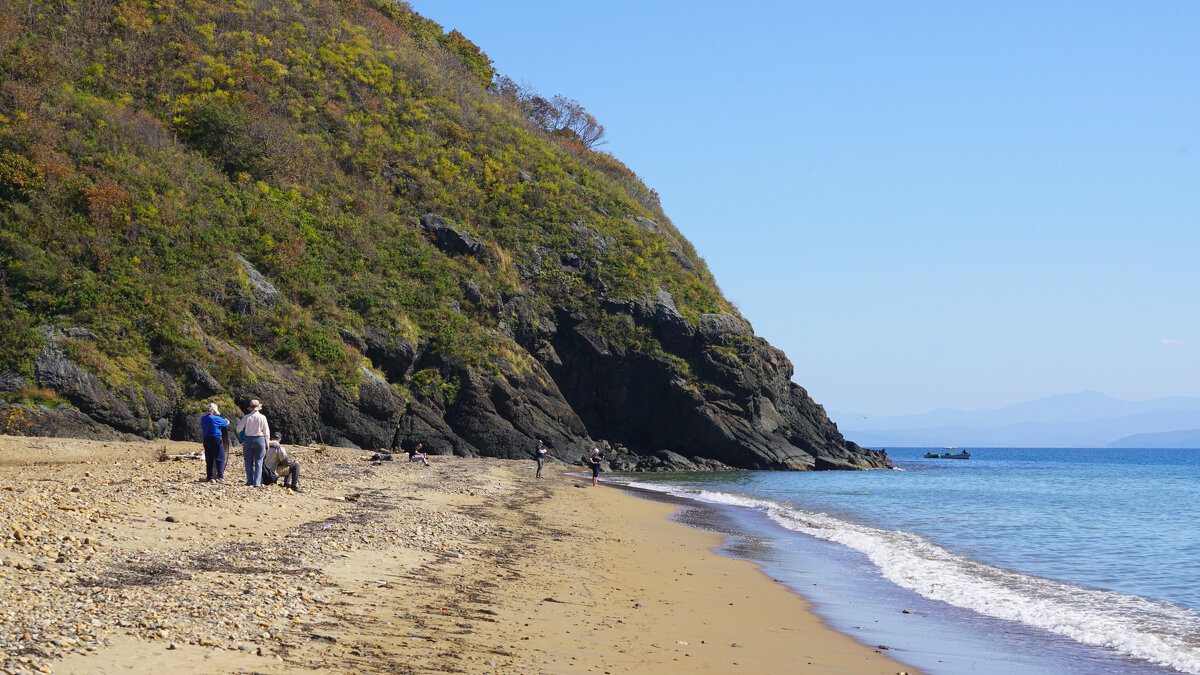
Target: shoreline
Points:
(468, 565)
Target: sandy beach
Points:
(116, 562)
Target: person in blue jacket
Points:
(214, 445)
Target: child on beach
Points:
(418, 456)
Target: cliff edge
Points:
(339, 209)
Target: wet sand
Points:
(115, 562)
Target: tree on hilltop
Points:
(558, 115)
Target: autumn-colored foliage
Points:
(145, 143)
(106, 201)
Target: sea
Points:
(1076, 561)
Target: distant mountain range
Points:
(1087, 419)
(1189, 438)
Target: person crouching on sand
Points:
(594, 462)
(214, 445)
(417, 455)
(285, 467)
(254, 448)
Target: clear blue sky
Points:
(925, 204)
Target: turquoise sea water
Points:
(1038, 560)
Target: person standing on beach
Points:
(540, 453)
(254, 448)
(594, 462)
(214, 445)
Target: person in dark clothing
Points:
(214, 444)
(540, 453)
(594, 462)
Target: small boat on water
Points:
(948, 455)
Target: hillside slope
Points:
(331, 207)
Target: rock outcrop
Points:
(737, 409)
(413, 256)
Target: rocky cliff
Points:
(333, 208)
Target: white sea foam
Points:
(1158, 632)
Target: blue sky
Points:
(925, 204)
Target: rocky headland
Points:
(341, 210)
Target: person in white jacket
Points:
(254, 447)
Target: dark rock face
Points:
(63, 422)
(201, 383)
(449, 238)
(749, 414)
(392, 354)
(717, 398)
(112, 407)
(12, 382)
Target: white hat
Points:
(212, 408)
(255, 405)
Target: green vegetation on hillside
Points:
(145, 144)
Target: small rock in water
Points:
(905, 611)
(882, 647)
